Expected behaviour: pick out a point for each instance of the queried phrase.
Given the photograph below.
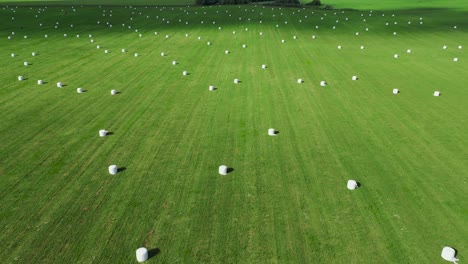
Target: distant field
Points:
(396, 4)
(286, 199)
(99, 2)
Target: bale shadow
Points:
(358, 184)
(229, 170)
(276, 132)
(109, 133)
(121, 169)
(84, 91)
(153, 252)
(25, 79)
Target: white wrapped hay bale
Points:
(354, 78)
(283, 41)
(444, 47)
(142, 254)
(408, 51)
(295, 37)
(136, 55)
(271, 132)
(362, 47)
(455, 59)
(244, 46)
(323, 83)
(167, 36)
(26, 63)
(226, 52)
(436, 93)
(395, 91)
(113, 92)
(174, 62)
(98, 46)
(460, 47)
(33, 54)
(236, 81)
(208, 43)
(396, 56)
(163, 54)
(300, 81)
(222, 170)
(59, 84)
(124, 50)
(79, 90)
(211, 88)
(92, 40)
(185, 73)
(352, 185)
(264, 66)
(113, 169)
(13, 55)
(40, 82)
(102, 133)
(449, 254)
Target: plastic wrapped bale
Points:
(300, 81)
(124, 50)
(92, 41)
(352, 185)
(167, 36)
(271, 132)
(33, 54)
(362, 47)
(106, 51)
(313, 37)
(40, 82)
(13, 55)
(46, 36)
(444, 47)
(211, 88)
(26, 63)
(396, 56)
(408, 51)
(339, 47)
(244, 46)
(236, 81)
(323, 83)
(98, 46)
(357, 33)
(354, 78)
(222, 170)
(113, 92)
(174, 62)
(436, 93)
(208, 43)
(142, 254)
(20, 78)
(79, 90)
(226, 51)
(283, 41)
(264, 66)
(163, 54)
(59, 85)
(136, 55)
(295, 37)
(102, 133)
(460, 47)
(455, 59)
(449, 254)
(395, 91)
(185, 73)
(113, 169)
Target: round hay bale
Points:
(185, 73)
(40, 82)
(113, 169)
(59, 84)
(174, 62)
(271, 132)
(436, 93)
(352, 185)
(136, 54)
(300, 81)
(20, 78)
(113, 92)
(236, 81)
(264, 66)
(449, 254)
(455, 59)
(142, 254)
(396, 56)
(79, 90)
(222, 170)
(323, 83)
(124, 50)
(354, 78)
(26, 63)
(395, 91)
(211, 88)
(102, 133)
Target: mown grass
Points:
(286, 200)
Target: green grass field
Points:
(286, 199)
